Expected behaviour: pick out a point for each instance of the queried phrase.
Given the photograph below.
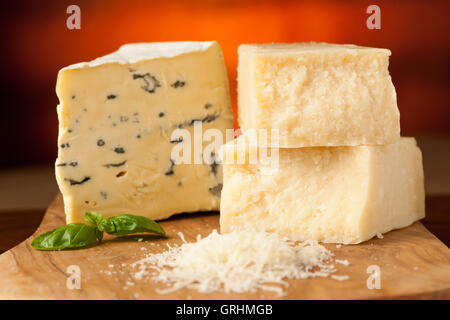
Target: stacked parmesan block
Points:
(344, 173)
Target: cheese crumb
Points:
(344, 262)
(379, 236)
(339, 278)
(181, 235)
(140, 275)
(239, 261)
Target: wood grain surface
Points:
(414, 264)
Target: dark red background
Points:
(35, 44)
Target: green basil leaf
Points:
(126, 224)
(93, 218)
(73, 235)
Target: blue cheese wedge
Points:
(116, 118)
(329, 194)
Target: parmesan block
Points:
(329, 194)
(318, 94)
(116, 119)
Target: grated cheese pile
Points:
(239, 261)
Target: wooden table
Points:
(413, 264)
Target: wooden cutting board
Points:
(413, 264)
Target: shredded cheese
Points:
(239, 261)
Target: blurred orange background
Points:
(36, 44)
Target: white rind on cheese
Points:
(334, 195)
(135, 52)
(318, 94)
(115, 131)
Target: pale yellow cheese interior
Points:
(337, 195)
(115, 125)
(318, 94)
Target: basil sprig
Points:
(95, 219)
(80, 235)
